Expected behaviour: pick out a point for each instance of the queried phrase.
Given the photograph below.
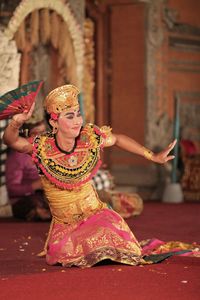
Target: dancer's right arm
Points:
(11, 135)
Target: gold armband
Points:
(147, 153)
(15, 124)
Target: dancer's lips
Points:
(76, 128)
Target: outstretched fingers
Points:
(170, 157)
(171, 146)
(29, 113)
(167, 151)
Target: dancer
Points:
(83, 231)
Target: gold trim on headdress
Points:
(62, 98)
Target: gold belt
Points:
(72, 206)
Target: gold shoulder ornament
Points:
(108, 139)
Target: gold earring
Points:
(54, 130)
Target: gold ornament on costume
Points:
(72, 161)
(107, 131)
(62, 98)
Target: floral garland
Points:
(27, 6)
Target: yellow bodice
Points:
(71, 206)
(70, 170)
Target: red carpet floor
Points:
(25, 276)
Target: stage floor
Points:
(26, 276)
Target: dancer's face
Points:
(70, 122)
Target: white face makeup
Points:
(70, 122)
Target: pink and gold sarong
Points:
(85, 231)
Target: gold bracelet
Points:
(147, 153)
(15, 124)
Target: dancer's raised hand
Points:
(25, 116)
(163, 156)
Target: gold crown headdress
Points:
(61, 98)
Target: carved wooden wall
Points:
(120, 71)
(146, 51)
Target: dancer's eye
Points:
(70, 116)
(79, 114)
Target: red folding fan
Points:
(19, 100)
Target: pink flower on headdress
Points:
(54, 116)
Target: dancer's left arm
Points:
(132, 146)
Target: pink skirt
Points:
(104, 235)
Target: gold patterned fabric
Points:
(69, 207)
(102, 235)
(85, 231)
